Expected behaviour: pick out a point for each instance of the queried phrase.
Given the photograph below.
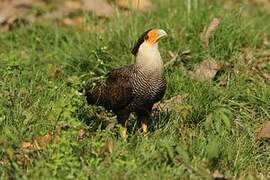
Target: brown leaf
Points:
(264, 133)
(26, 145)
(205, 36)
(217, 175)
(142, 5)
(99, 7)
(206, 70)
(37, 143)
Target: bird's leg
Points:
(123, 132)
(144, 126)
(143, 117)
(122, 120)
(143, 120)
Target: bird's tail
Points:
(95, 93)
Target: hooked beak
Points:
(161, 34)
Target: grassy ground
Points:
(43, 66)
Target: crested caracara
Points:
(133, 88)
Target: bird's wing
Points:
(118, 88)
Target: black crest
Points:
(139, 42)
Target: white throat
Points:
(148, 58)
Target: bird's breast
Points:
(149, 87)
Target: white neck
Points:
(148, 58)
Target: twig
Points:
(176, 56)
(172, 60)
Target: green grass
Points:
(43, 65)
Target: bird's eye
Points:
(146, 37)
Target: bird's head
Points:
(149, 38)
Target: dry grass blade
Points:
(205, 36)
(264, 132)
(110, 145)
(206, 70)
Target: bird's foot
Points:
(144, 128)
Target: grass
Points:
(43, 66)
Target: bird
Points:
(133, 88)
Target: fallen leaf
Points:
(206, 70)
(26, 145)
(205, 36)
(142, 5)
(99, 7)
(37, 143)
(217, 175)
(264, 132)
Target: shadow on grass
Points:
(97, 118)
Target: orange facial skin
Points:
(152, 36)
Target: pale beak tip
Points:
(162, 33)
